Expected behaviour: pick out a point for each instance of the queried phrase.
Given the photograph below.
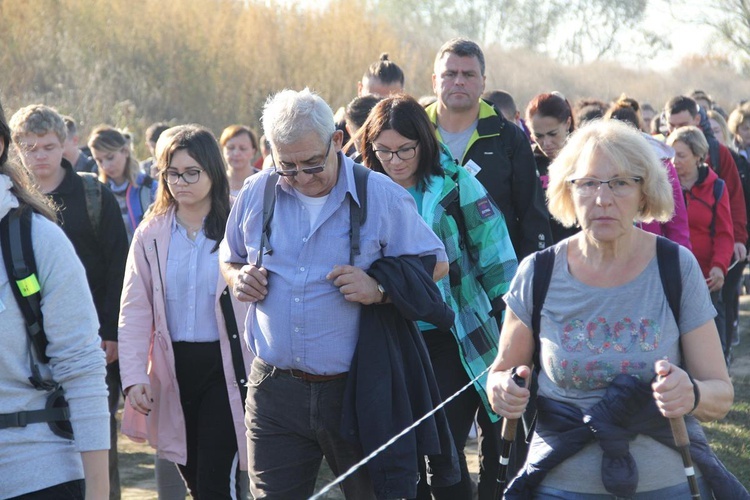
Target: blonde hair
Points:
(111, 140)
(693, 138)
(631, 154)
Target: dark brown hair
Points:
(404, 115)
(201, 145)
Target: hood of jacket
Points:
(7, 199)
(662, 150)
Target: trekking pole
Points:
(682, 441)
(509, 436)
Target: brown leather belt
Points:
(311, 377)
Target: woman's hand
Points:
(140, 398)
(508, 399)
(673, 390)
(715, 279)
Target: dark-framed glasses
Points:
(291, 172)
(386, 155)
(189, 176)
(620, 186)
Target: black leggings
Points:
(212, 470)
(72, 490)
(451, 376)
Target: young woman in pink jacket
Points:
(182, 358)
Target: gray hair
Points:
(288, 115)
(37, 119)
(462, 47)
(693, 138)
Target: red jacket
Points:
(710, 251)
(728, 171)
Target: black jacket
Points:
(103, 257)
(627, 409)
(509, 175)
(391, 383)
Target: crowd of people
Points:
(263, 304)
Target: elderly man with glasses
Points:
(304, 324)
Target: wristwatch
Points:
(383, 293)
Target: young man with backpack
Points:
(91, 219)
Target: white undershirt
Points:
(313, 206)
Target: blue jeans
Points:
(678, 492)
(291, 425)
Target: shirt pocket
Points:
(176, 284)
(211, 273)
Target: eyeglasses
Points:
(620, 186)
(189, 176)
(307, 170)
(386, 155)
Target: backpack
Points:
(668, 260)
(18, 256)
(357, 213)
(718, 192)
(92, 190)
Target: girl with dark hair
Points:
(35, 460)
(550, 120)
(179, 328)
(398, 139)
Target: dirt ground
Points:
(137, 460)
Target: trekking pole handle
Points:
(510, 425)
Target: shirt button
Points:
(304, 239)
(296, 299)
(296, 329)
(302, 269)
(297, 359)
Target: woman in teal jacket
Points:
(398, 140)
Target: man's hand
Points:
(110, 349)
(248, 283)
(715, 279)
(740, 252)
(355, 284)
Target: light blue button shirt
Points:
(192, 277)
(304, 322)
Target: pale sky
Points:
(687, 37)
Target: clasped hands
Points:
(251, 284)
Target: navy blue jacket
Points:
(391, 383)
(627, 409)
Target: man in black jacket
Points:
(487, 144)
(94, 227)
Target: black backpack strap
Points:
(235, 342)
(269, 203)
(357, 213)
(18, 254)
(544, 262)
(668, 259)
(718, 192)
(92, 190)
